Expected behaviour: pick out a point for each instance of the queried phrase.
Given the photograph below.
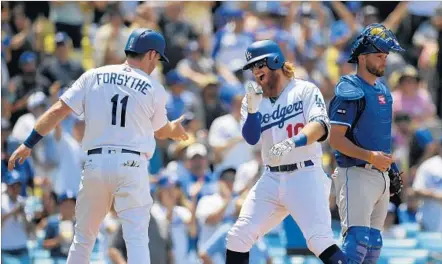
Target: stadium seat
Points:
(409, 243)
(277, 252)
(430, 241)
(312, 260)
(415, 256)
(411, 229)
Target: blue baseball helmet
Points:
(264, 49)
(142, 40)
(375, 38)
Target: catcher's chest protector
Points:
(373, 129)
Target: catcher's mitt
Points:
(395, 182)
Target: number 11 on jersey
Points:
(123, 102)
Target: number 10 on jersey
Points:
(293, 130)
(123, 102)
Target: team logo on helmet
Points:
(248, 55)
(131, 42)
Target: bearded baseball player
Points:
(361, 115)
(124, 110)
(290, 118)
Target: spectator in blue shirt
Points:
(180, 100)
(200, 181)
(60, 228)
(25, 170)
(15, 227)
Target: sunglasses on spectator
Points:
(259, 64)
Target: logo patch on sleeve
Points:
(341, 111)
(381, 99)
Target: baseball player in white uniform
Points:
(124, 109)
(290, 120)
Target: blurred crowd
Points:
(199, 185)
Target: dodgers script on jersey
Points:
(299, 103)
(106, 95)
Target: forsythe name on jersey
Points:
(280, 115)
(123, 79)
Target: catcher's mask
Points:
(375, 38)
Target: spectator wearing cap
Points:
(196, 66)
(25, 170)
(15, 229)
(60, 68)
(68, 174)
(273, 19)
(45, 157)
(60, 228)
(36, 104)
(180, 101)
(226, 140)
(428, 187)
(111, 39)
(216, 214)
(212, 106)
(177, 32)
(178, 218)
(215, 209)
(24, 84)
(201, 180)
(231, 41)
(409, 98)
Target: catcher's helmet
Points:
(142, 40)
(374, 38)
(264, 49)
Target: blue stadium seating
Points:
(408, 243)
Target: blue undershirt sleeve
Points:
(251, 130)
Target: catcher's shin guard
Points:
(356, 243)
(374, 247)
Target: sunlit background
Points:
(48, 45)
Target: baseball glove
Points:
(395, 182)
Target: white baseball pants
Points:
(303, 193)
(107, 176)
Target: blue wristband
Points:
(300, 140)
(33, 139)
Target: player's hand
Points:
(280, 149)
(20, 154)
(254, 97)
(179, 132)
(380, 160)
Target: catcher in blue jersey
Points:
(361, 119)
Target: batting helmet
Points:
(142, 40)
(264, 49)
(374, 38)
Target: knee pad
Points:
(242, 235)
(374, 247)
(356, 243)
